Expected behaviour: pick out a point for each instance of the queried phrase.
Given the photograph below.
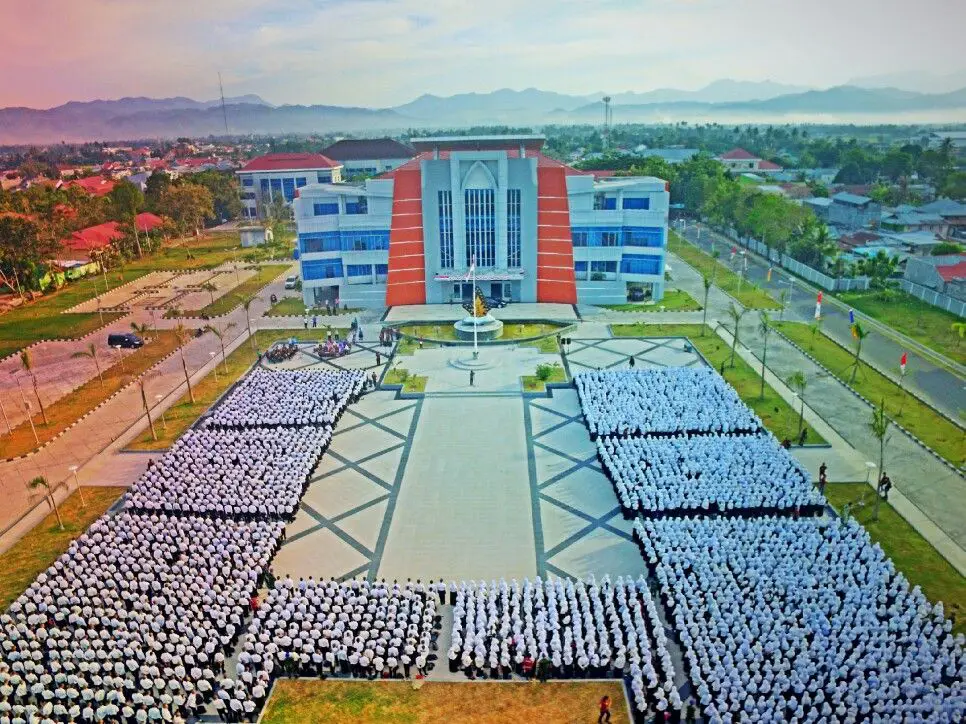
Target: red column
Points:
(406, 281)
(555, 252)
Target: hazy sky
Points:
(387, 52)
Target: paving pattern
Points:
(615, 353)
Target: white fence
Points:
(930, 296)
(844, 284)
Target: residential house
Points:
(945, 274)
(820, 206)
(94, 185)
(914, 243)
(853, 212)
(738, 160)
(905, 218)
(953, 214)
(368, 156)
(670, 155)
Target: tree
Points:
(960, 329)
(27, 362)
(91, 353)
(860, 334)
(157, 183)
(879, 269)
(706, 280)
(764, 326)
(954, 186)
(41, 482)
(879, 426)
(23, 246)
(126, 200)
(144, 401)
(246, 305)
(736, 314)
(184, 334)
(188, 206)
(798, 382)
(142, 330)
(211, 289)
(947, 247)
(220, 334)
(224, 189)
(783, 302)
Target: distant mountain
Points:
(495, 105)
(914, 80)
(720, 91)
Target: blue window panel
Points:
(579, 237)
(358, 270)
(324, 178)
(248, 181)
(322, 269)
(382, 269)
(596, 236)
(300, 182)
(276, 185)
(288, 188)
(637, 202)
(513, 227)
(580, 266)
(603, 266)
(365, 240)
(610, 203)
(445, 215)
(265, 189)
(650, 236)
(480, 227)
(317, 241)
(325, 209)
(359, 206)
(639, 264)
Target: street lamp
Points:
(164, 423)
(80, 491)
(212, 355)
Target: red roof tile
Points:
(768, 166)
(953, 271)
(93, 237)
(289, 161)
(96, 185)
(147, 221)
(736, 154)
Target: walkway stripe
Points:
(538, 542)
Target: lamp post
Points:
(212, 355)
(164, 423)
(80, 491)
(30, 417)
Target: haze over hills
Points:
(914, 80)
(726, 101)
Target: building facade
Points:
(368, 156)
(278, 175)
(538, 230)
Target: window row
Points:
(649, 236)
(629, 264)
(603, 202)
(345, 240)
(365, 270)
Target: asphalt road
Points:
(944, 389)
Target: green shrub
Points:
(546, 371)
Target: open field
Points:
(911, 553)
(183, 413)
(675, 300)
(34, 553)
(42, 319)
(85, 398)
(924, 422)
(295, 307)
(246, 289)
(297, 701)
(914, 318)
(749, 295)
(776, 414)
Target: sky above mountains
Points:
(381, 53)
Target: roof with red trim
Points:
(289, 162)
(768, 166)
(737, 154)
(953, 271)
(542, 162)
(96, 185)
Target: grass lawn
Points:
(34, 553)
(295, 307)
(42, 319)
(401, 376)
(929, 426)
(776, 414)
(914, 318)
(511, 330)
(546, 345)
(750, 296)
(234, 297)
(86, 397)
(675, 300)
(182, 414)
(533, 383)
(911, 553)
(407, 346)
(297, 701)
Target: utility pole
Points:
(224, 110)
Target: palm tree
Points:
(736, 314)
(90, 353)
(172, 313)
(141, 330)
(27, 361)
(184, 334)
(764, 326)
(211, 289)
(144, 400)
(246, 304)
(859, 334)
(41, 482)
(220, 334)
(959, 327)
(798, 382)
(706, 280)
(783, 301)
(879, 426)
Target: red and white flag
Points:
(818, 306)
(472, 268)
(902, 362)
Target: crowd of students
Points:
(749, 473)
(661, 401)
(564, 629)
(248, 473)
(134, 622)
(288, 398)
(802, 620)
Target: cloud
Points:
(385, 52)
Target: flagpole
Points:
(476, 350)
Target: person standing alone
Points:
(604, 710)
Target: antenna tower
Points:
(224, 110)
(605, 134)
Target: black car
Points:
(494, 303)
(124, 340)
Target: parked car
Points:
(291, 282)
(125, 340)
(636, 295)
(494, 303)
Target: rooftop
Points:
(96, 185)
(951, 272)
(531, 142)
(737, 154)
(851, 199)
(289, 162)
(357, 149)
